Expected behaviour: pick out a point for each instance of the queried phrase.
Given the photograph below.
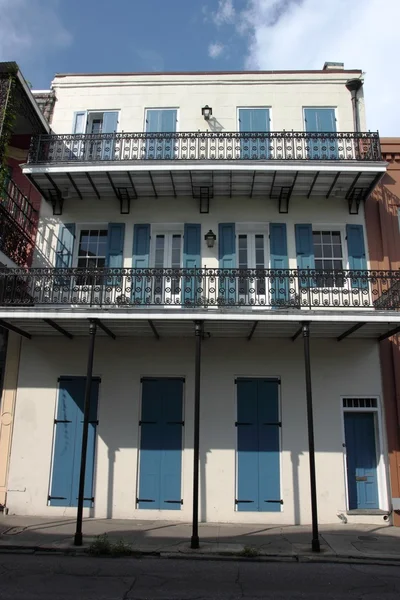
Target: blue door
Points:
(258, 451)
(362, 480)
(256, 121)
(68, 442)
(160, 461)
(321, 121)
(162, 121)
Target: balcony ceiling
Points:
(164, 328)
(330, 180)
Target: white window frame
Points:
(380, 444)
(167, 229)
(334, 108)
(79, 227)
(96, 111)
(266, 107)
(253, 229)
(334, 227)
(278, 378)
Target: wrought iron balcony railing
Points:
(18, 222)
(275, 145)
(200, 288)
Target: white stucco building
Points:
(228, 205)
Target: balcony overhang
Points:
(275, 165)
(272, 181)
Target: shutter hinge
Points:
(244, 501)
(147, 423)
(241, 423)
(55, 498)
(175, 422)
(274, 501)
(278, 423)
(173, 501)
(144, 500)
(61, 421)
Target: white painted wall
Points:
(286, 94)
(329, 213)
(345, 369)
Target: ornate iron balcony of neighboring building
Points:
(18, 222)
(205, 146)
(227, 289)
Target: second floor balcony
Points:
(226, 290)
(206, 164)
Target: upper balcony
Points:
(202, 165)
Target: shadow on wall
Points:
(214, 125)
(46, 243)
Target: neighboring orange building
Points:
(382, 213)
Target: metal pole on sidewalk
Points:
(311, 446)
(194, 542)
(86, 415)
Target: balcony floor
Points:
(154, 179)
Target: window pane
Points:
(337, 264)
(317, 250)
(260, 262)
(81, 263)
(337, 251)
(101, 262)
(326, 237)
(159, 257)
(243, 252)
(327, 250)
(176, 252)
(318, 264)
(83, 244)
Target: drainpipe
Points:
(354, 85)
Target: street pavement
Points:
(50, 577)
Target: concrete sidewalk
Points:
(339, 542)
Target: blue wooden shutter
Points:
(247, 446)
(110, 122)
(171, 453)
(356, 252)
(140, 261)
(191, 260)
(68, 443)
(279, 260)
(65, 245)
(304, 247)
(161, 444)
(227, 262)
(268, 445)
(150, 445)
(254, 120)
(320, 120)
(115, 245)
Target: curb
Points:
(214, 556)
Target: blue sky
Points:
(57, 36)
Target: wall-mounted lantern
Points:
(206, 111)
(210, 238)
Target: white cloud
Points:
(215, 49)
(303, 34)
(29, 29)
(225, 13)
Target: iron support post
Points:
(194, 542)
(311, 445)
(86, 416)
